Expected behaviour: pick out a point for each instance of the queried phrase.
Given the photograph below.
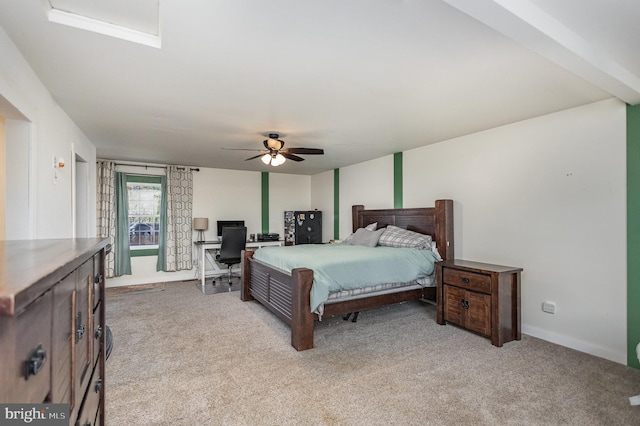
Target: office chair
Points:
(234, 240)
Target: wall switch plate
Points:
(549, 307)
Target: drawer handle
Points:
(464, 304)
(465, 280)
(80, 329)
(98, 385)
(98, 333)
(36, 360)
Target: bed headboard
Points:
(435, 221)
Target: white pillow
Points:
(435, 251)
(370, 227)
(364, 237)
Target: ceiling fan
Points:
(276, 154)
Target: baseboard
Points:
(139, 288)
(133, 280)
(579, 345)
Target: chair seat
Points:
(228, 260)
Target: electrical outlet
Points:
(549, 307)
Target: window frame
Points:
(138, 251)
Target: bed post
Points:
(245, 276)
(302, 319)
(355, 210)
(444, 229)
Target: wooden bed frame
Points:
(287, 295)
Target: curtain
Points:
(179, 205)
(122, 256)
(105, 208)
(161, 264)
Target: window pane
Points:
(144, 214)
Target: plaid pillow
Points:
(398, 237)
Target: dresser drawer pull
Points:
(79, 327)
(98, 385)
(98, 333)
(35, 362)
(465, 280)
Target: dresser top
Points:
(28, 268)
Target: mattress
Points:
(342, 270)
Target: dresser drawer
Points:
(91, 403)
(468, 280)
(27, 375)
(98, 333)
(97, 279)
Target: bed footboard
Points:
(285, 295)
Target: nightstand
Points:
(480, 297)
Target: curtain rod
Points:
(146, 166)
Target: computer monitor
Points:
(231, 223)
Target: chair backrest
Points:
(234, 240)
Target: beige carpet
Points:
(184, 358)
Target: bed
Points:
(288, 294)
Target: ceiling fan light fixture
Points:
(278, 160)
(266, 159)
(273, 142)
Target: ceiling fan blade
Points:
(254, 157)
(241, 149)
(291, 156)
(306, 151)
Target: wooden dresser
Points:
(52, 325)
(480, 297)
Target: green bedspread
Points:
(338, 267)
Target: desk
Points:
(215, 271)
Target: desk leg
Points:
(202, 265)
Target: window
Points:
(144, 193)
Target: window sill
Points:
(143, 252)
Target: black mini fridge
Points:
(302, 227)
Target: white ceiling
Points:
(360, 78)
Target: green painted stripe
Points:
(397, 180)
(633, 233)
(336, 204)
(265, 202)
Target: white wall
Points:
(225, 195)
(18, 175)
(3, 179)
(287, 192)
(322, 199)
(546, 194)
(51, 133)
(370, 184)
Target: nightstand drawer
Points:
(468, 280)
